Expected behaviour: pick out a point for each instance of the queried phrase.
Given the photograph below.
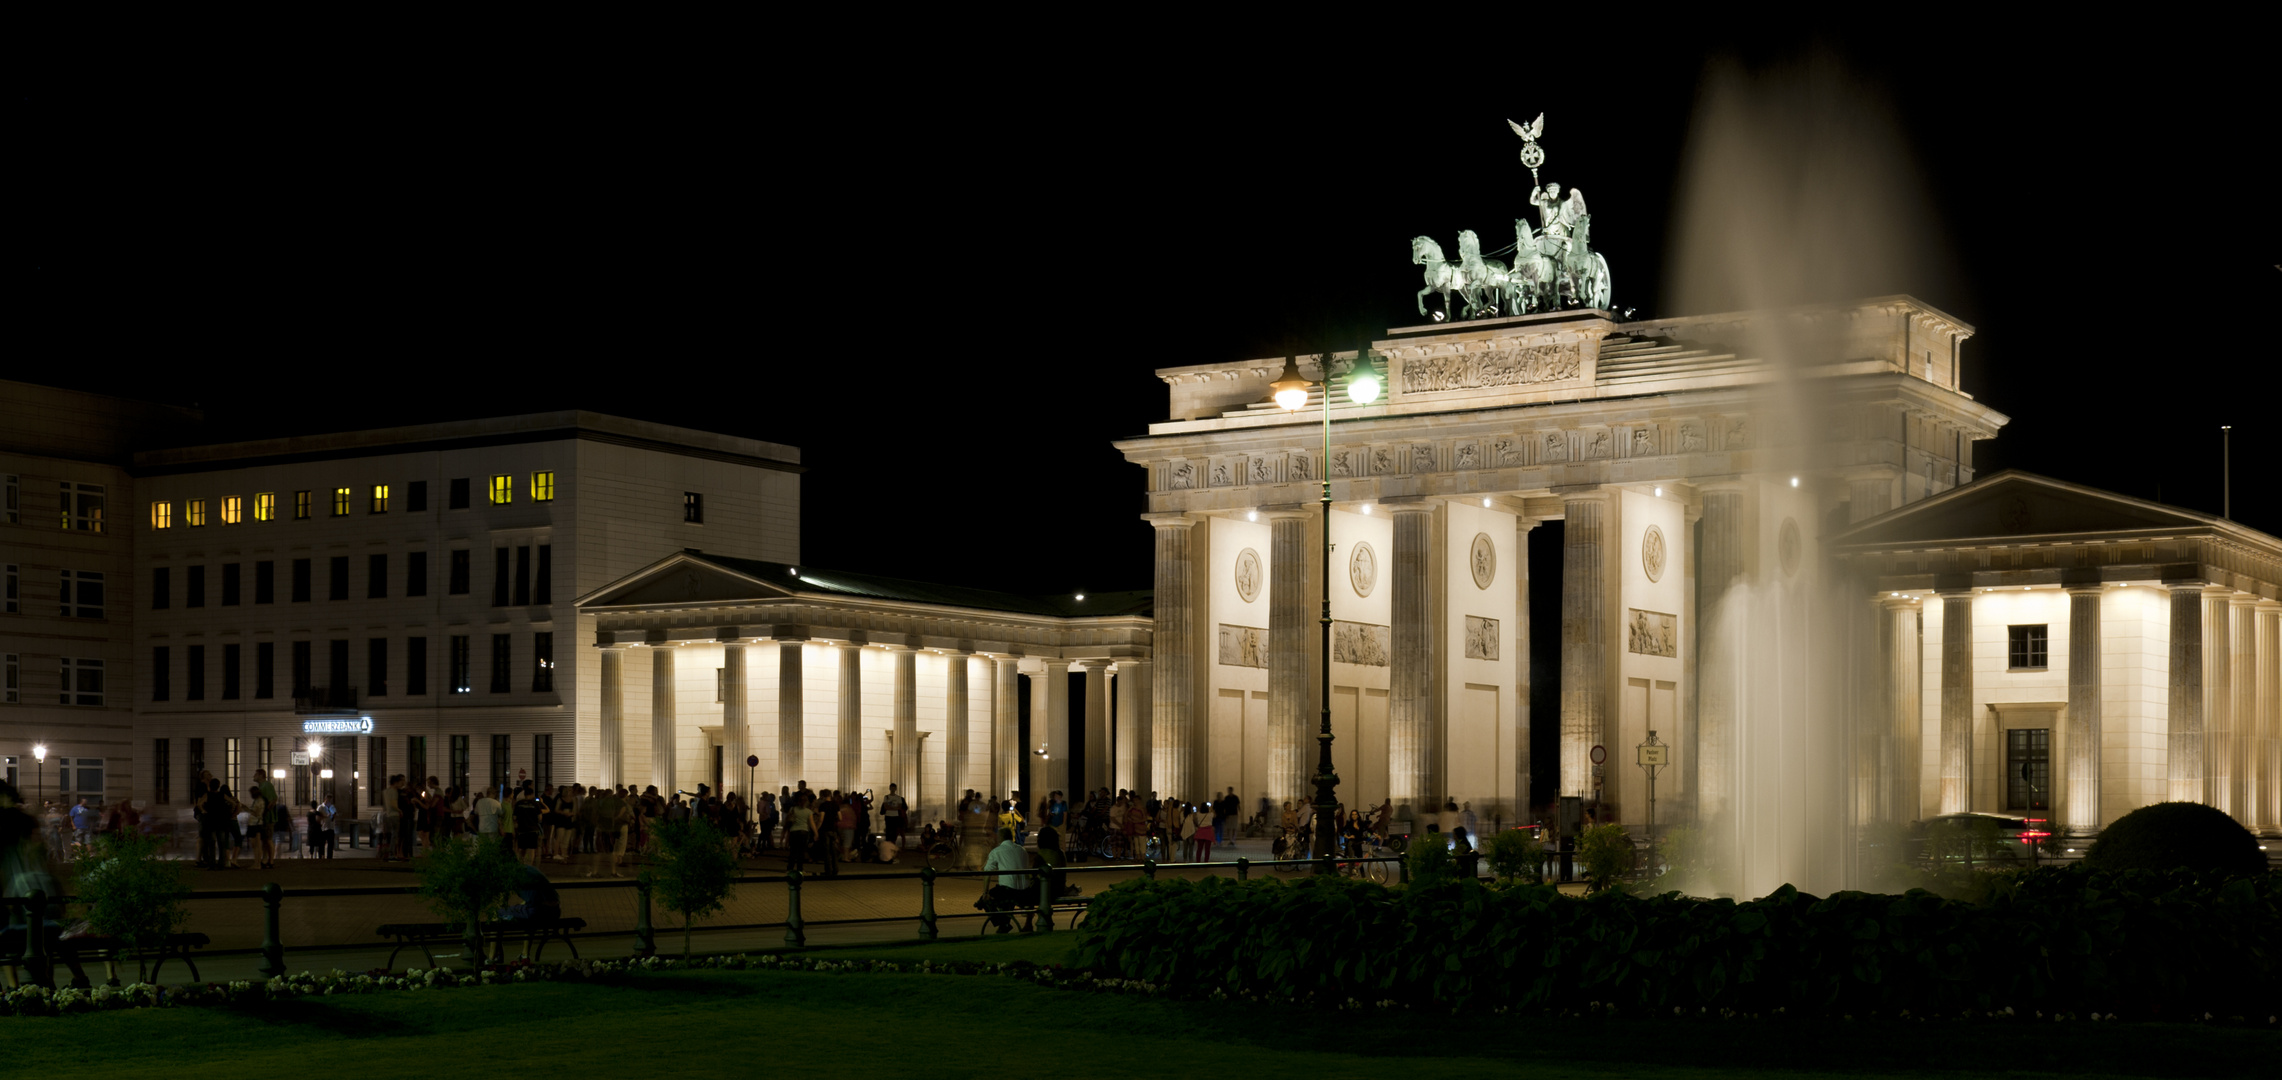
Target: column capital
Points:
(1731, 486)
(1291, 513)
(1175, 519)
(1585, 493)
(1406, 504)
(2269, 607)
(2242, 599)
(1896, 603)
(2084, 590)
(1092, 663)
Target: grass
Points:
(986, 1026)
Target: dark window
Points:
(300, 669)
(376, 779)
(300, 581)
(376, 666)
(460, 675)
(337, 580)
(196, 766)
(416, 496)
(459, 762)
(2026, 646)
(2028, 768)
(416, 666)
(194, 687)
(415, 573)
(265, 669)
(542, 762)
(416, 760)
(523, 575)
(543, 586)
(162, 771)
(499, 577)
(543, 661)
(82, 594)
(502, 655)
(459, 572)
(233, 658)
(230, 580)
(459, 494)
(265, 582)
(376, 577)
(500, 777)
(162, 587)
(693, 507)
(162, 673)
(194, 588)
(337, 668)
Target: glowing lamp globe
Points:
(1363, 384)
(1289, 390)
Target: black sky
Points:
(945, 267)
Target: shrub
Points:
(1607, 854)
(1514, 855)
(1428, 859)
(696, 871)
(464, 877)
(126, 891)
(2178, 836)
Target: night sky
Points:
(946, 271)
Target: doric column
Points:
(664, 723)
(2269, 616)
(954, 729)
(2248, 750)
(850, 745)
(1520, 734)
(1005, 727)
(1905, 716)
(1720, 644)
(1411, 724)
(903, 757)
(1050, 727)
(734, 775)
(1096, 721)
(2081, 815)
(792, 717)
(611, 740)
(1956, 700)
(1133, 726)
(1172, 737)
(1584, 639)
(2183, 771)
(2219, 770)
(1291, 622)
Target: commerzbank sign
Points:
(349, 725)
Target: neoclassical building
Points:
(1756, 508)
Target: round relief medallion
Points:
(1652, 553)
(1787, 546)
(1248, 575)
(1484, 558)
(1363, 569)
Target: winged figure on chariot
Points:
(1553, 267)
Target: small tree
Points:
(463, 878)
(1607, 853)
(127, 892)
(696, 872)
(1515, 855)
(1428, 859)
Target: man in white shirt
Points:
(487, 815)
(1011, 890)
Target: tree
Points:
(127, 892)
(465, 877)
(1515, 855)
(1607, 853)
(696, 872)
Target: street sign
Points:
(301, 757)
(1655, 756)
(752, 761)
(1600, 754)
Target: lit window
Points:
(380, 498)
(82, 506)
(542, 487)
(693, 507)
(82, 594)
(162, 515)
(502, 490)
(82, 682)
(233, 509)
(194, 512)
(340, 501)
(265, 506)
(300, 506)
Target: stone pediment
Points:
(680, 579)
(2014, 505)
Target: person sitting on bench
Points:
(1009, 891)
(537, 899)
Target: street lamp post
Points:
(40, 755)
(1290, 392)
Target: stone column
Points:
(2183, 771)
(1096, 721)
(792, 717)
(2248, 751)
(2081, 815)
(1716, 651)
(903, 756)
(1173, 648)
(734, 775)
(954, 730)
(663, 717)
(1411, 723)
(1291, 619)
(1584, 640)
(1905, 719)
(1956, 700)
(1520, 733)
(2219, 772)
(611, 740)
(850, 744)
(1005, 727)
(1050, 727)
(1133, 726)
(2269, 615)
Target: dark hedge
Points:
(2178, 836)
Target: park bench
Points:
(541, 931)
(85, 946)
(1067, 912)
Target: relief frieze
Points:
(1522, 366)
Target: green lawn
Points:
(987, 1026)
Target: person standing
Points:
(407, 815)
(259, 822)
(799, 832)
(609, 815)
(487, 816)
(893, 810)
(322, 820)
